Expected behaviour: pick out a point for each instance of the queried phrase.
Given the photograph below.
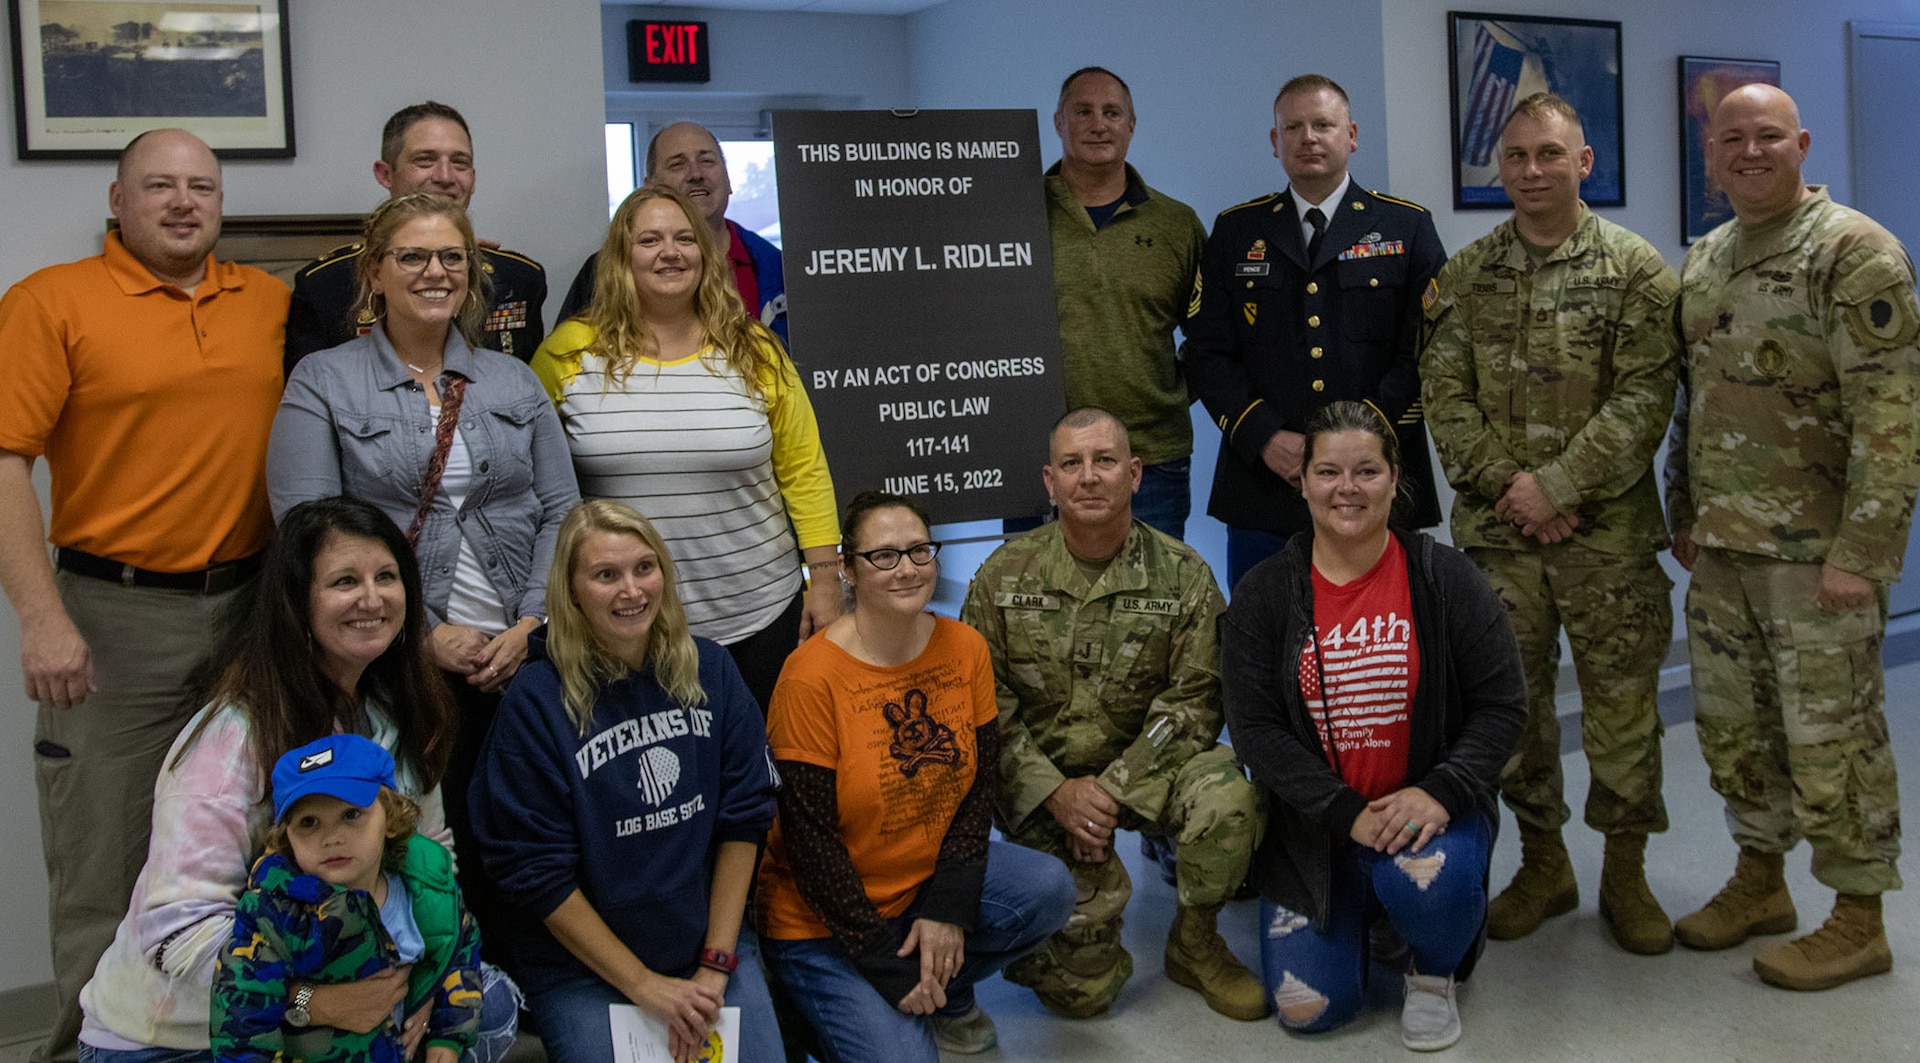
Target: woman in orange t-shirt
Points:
(881, 900)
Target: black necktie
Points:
(1319, 223)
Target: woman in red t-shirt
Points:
(1373, 688)
(881, 900)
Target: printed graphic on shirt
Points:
(656, 766)
(659, 774)
(1365, 678)
(918, 738)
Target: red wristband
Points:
(715, 960)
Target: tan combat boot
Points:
(1542, 888)
(1851, 944)
(1198, 959)
(1754, 901)
(1630, 909)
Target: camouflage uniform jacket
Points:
(1565, 370)
(1797, 435)
(291, 927)
(1118, 679)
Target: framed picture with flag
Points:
(1495, 61)
(1703, 82)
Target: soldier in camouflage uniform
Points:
(1108, 674)
(1791, 482)
(1549, 378)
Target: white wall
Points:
(512, 68)
(767, 58)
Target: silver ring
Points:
(1089, 824)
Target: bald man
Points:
(1791, 476)
(686, 156)
(147, 376)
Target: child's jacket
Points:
(291, 927)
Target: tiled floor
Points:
(1564, 994)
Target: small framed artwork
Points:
(1495, 61)
(90, 75)
(1704, 82)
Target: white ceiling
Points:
(845, 7)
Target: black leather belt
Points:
(212, 580)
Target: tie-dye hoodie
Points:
(210, 818)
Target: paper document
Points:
(640, 1038)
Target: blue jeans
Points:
(1026, 897)
(573, 1023)
(1162, 503)
(1317, 977)
(499, 1024)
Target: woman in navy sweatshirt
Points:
(621, 801)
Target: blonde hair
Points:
(585, 665)
(403, 816)
(386, 221)
(620, 331)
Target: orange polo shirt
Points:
(151, 406)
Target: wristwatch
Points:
(297, 1014)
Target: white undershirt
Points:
(1328, 207)
(472, 601)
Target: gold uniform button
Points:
(1373, 282)
(1313, 320)
(1319, 385)
(1313, 287)
(1318, 352)
(1249, 284)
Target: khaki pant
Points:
(95, 765)
(1619, 620)
(1788, 706)
(1213, 818)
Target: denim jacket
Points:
(353, 422)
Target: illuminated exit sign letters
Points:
(667, 51)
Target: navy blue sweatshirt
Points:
(632, 813)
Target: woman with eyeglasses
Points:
(881, 900)
(457, 445)
(679, 403)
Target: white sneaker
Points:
(1429, 1020)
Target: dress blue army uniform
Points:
(324, 293)
(1272, 338)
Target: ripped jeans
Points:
(1436, 900)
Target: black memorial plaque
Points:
(920, 300)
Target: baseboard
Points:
(24, 1012)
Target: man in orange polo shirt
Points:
(148, 378)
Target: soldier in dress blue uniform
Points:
(424, 148)
(1308, 296)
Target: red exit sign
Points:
(667, 51)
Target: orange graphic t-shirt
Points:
(900, 741)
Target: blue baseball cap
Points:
(345, 766)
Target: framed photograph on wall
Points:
(1704, 82)
(1495, 61)
(90, 75)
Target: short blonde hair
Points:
(403, 817)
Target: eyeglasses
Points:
(415, 259)
(886, 559)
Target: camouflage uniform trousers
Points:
(1787, 704)
(1618, 616)
(1212, 815)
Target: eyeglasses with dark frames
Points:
(886, 559)
(415, 259)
